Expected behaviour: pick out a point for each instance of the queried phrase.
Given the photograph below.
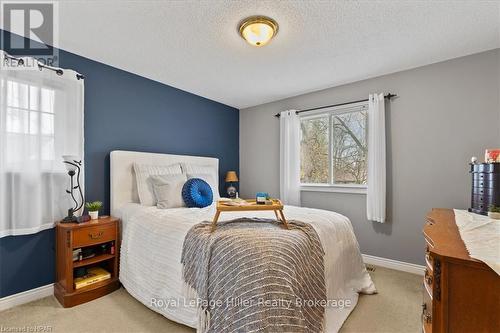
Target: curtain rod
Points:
(388, 96)
(59, 71)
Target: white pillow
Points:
(208, 174)
(167, 190)
(144, 184)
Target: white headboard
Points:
(123, 187)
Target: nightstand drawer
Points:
(94, 235)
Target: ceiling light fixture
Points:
(258, 30)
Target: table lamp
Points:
(73, 164)
(231, 178)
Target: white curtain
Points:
(376, 192)
(41, 119)
(290, 158)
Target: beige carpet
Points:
(396, 308)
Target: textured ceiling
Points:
(194, 45)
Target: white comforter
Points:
(151, 271)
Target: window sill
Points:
(353, 189)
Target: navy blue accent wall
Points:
(127, 112)
(26, 262)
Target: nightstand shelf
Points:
(100, 236)
(94, 260)
(95, 286)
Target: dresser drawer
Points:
(485, 200)
(484, 183)
(479, 206)
(93, 235)
(429, 280)
(485, 167)
(492, 192)
(426, 312)
(428, 258)
(488, 177)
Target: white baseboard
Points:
(44, 291)
(26, 296)
(394, 264)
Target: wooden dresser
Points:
(460, 294)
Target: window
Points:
(334, 148)
(29, 121)
(41, 119)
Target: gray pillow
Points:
(167, 190)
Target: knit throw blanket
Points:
(252, 275)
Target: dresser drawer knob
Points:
(428, 257)
(426, 317)
(428, 277)
(96, 235)
(428, 254)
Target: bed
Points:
(152, 239)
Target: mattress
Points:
(151, 271)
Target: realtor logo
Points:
(35, 20)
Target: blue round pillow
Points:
(197, 193)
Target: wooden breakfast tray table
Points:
(276, 206)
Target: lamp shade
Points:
(231, 176)
(71, 159)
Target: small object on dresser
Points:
(83, 218)
(473, 159)
(261, 197)
(494, 212)
(492, 155)
(73, 166)
(93, 207)
(485, 189)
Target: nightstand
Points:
(94, 244)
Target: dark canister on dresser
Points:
(485, 186)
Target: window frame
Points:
(332, 187)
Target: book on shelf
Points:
(94, 275)
(77, 253)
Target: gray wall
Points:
(445, 113)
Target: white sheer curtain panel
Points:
(376, 192)
(290, 158)
(41, 119)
